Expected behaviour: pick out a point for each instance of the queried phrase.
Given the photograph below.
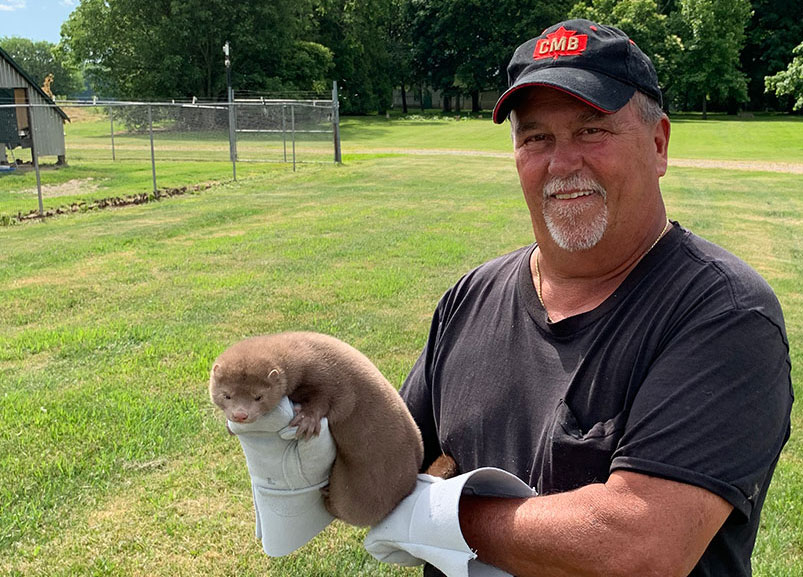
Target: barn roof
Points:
(6, 56)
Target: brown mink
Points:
(379, 447)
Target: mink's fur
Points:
(379, 448)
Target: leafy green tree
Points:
(357, 35)
(39, 59)
(646, 26)
(713, 36)
(172, 48)
(789, 82)
(773, 32)
(310, 67)
(463, 46)
(400, 47)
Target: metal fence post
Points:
(232, 137)
(336, 122)
(293, 128)
(35, 158)
(111, 119)
(284, 129)
(153, 158)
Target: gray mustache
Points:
(557, 185)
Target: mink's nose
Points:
(239, 416)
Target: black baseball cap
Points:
(598, 64)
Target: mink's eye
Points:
(227, 396)
(258, 398)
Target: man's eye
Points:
(592, 131)
(535, 138)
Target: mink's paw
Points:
(308, 425)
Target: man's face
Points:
(585, 174)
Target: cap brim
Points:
(594, 88)
(286, 520)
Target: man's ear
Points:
(661, 140)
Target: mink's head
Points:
(245, 388)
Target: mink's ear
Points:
(216, 369)
(274, 376)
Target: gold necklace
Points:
(660, 236)
(539, 288)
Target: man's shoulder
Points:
(497, 271)
(744, 282)
(509, 262)
(492, 277)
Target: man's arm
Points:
(633, 524)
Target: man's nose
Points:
(566, 159)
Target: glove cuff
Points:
(443, 532)
(432, 528)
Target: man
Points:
(635, 375)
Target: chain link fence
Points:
(161, 135)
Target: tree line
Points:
(709, 54)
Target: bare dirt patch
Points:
(70, 188)
(102, 203)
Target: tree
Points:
(172, 48)
(357, 35)
(713, 36)
(646, 26)
(773, 32)
(39, 59)
(463, 46)
(400, 47)
(789, 82)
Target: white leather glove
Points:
(287, 475)
(425, 526)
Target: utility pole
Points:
(232, 117)
(336, 122)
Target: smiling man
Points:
(634, 375)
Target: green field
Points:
(721, 137)
(188, 158)
(112, 459)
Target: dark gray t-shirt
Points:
(682, 373)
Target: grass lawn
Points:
(188, 158)
(113, 460)
(721, 137)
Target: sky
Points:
(34, 19)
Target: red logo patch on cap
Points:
(561, 42)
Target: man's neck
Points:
(571, 283)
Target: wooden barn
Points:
(17, 87)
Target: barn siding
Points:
(49, 125)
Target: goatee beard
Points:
(574, 226)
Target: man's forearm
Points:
(539, 536)
(632, 525)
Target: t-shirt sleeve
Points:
(707, 414)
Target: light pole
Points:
(226, 52)
(230, 98)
